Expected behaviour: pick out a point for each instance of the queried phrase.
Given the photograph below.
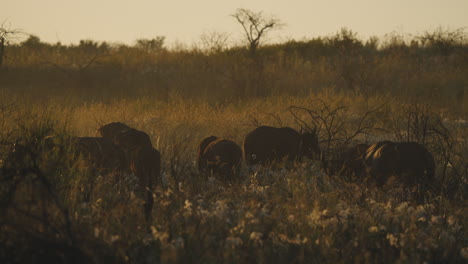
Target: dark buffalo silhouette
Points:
(350, 161)
(100, 153)
(131, 139)
(145, 163)
(410, 162)
(132, 152)
(124, 136)
(265, 145)
(201, 149)
(221, 157)
(111, 130)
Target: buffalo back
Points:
(266, 144)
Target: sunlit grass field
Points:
(302, 214)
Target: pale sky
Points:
(125, 21)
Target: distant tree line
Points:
(431, 64)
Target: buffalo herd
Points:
(411, 163)
(119, 147)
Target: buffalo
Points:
(131, 139)
(410, 162)
(145, 164)
(201, 149)
(132, 152)
(128, 139)
(142, 159)
(124, 136)
(221, 157)
(266, 145)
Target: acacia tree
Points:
(256, 26)
(5, 36)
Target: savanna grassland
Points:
(352, 90)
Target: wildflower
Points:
(453, 222)
(220, 208)
(178, 242)
(96, 231)
(344, 213)
(249, 215)
(188, 207)
(420, 213)
(298, 240)
(233, 242)
(464, 253)
(436, 220)
(401, 208)
(314, 216)
(393, 240)
(161, 236)
(256, 236)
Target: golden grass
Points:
(299, 216)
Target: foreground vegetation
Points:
(298, 215)
(353, 91)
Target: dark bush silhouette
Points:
(99, 154)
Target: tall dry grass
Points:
(301, 215)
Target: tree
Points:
(213, 41)
(6, 34)
(256, 26)
(151, 45)
(32, 41)
(444, 41)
